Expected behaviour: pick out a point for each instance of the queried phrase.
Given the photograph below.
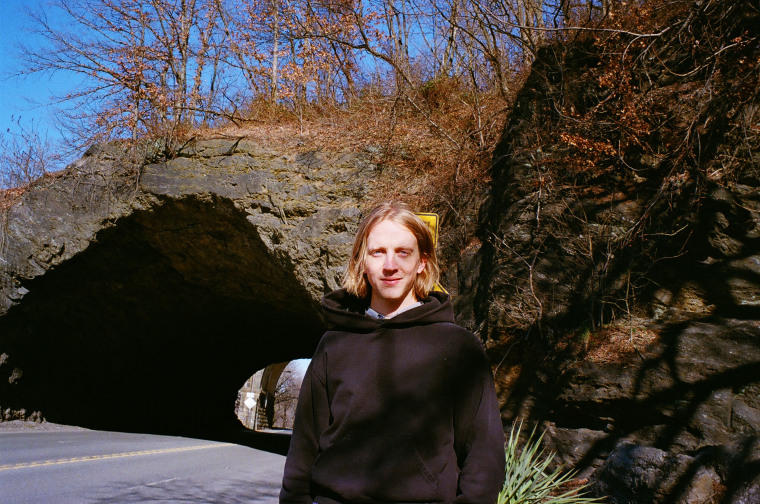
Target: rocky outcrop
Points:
(634, 473)
(618, 289)
(149, 294)
(679, 423)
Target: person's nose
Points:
(390, 263)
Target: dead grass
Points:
(613, 343)
(418, 161)
(9, 196)
(619, 341)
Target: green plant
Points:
(528, 480)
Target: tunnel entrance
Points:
(158, 322)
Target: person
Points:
(398, 404)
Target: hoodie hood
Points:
(346, 312)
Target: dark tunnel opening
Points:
(155, 326)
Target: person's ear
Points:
(423, 263)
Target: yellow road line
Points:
(90, 458)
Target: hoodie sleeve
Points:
(312, 417)
(479, 434)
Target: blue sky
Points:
(28, 98)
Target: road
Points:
(88, 466)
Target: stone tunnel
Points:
(145, 302)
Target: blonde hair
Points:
(354, 280)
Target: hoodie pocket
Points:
(385, 468)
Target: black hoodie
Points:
(395, 410)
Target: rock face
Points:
(145, 298)
(618, 281)
(634, 473)
(678, 424)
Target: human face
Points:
(391, 265)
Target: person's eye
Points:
(404, 253)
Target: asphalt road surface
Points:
(85, 466)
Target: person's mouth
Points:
(391, 281)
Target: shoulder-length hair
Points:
(355, 281)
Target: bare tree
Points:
(285, 400)
(143, 65)
(26, 155)
(254, 30)
(157, 66)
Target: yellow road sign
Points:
(431, 219)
